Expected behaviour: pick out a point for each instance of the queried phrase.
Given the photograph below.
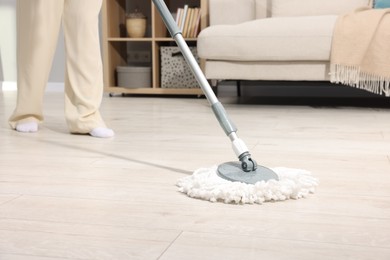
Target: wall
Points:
(8, 46)
(7, 40)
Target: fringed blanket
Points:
(360, 54)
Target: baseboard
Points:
(51, 86)
(8, 85)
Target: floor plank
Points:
(216, 246)
(68, 196)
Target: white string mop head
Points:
(205, 184)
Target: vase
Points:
(136, 24)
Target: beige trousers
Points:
(39, 22)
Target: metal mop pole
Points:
(239, 147)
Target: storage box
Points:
(134, 77)
(175, 73)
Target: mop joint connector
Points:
(247, 163)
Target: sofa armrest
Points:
(231, 11)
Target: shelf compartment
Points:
(116, 43)
(126, 53)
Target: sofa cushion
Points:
(231, 11)
(263, 8)
(271, 39)
(268, 70)
(314, 7)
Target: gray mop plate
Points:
(232, 171)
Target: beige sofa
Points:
(277, 40)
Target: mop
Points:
(243, 182)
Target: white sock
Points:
(29, 127)
(102, 132)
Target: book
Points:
(184, 17)
(179, 15)
(197, 24)
(188, 21)
(194, 23)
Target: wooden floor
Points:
(68, 196)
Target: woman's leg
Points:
(38, 24)
(84, 72)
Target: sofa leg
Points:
(239, 88)
(213, 82)
(214, 86)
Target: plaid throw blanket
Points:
(360, 54)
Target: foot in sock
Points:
(102, 132)
(29, 127)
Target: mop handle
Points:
(239, 147)
(176, 34)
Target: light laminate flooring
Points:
(68, 196)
